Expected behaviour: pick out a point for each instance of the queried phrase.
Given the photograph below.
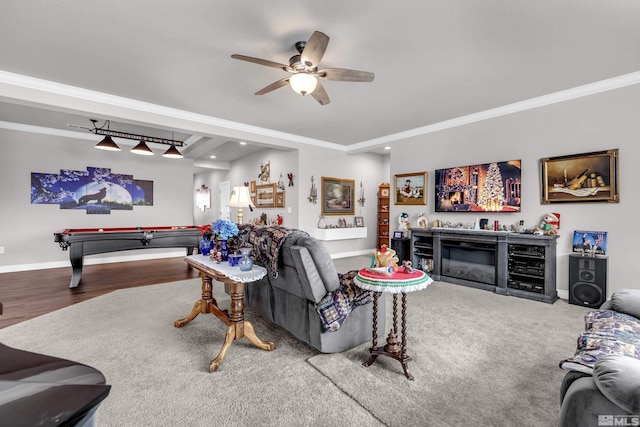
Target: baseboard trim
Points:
(93, 260)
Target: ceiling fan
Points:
(305, 72)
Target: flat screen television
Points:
(489, 187)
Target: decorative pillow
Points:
(618, 379)
(627, 301)
(322, 260)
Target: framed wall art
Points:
(338, 196)
(587, 177)
(280, 199)
(266, 195)
(358, 221)
(252, 187)
(488, 187)
(411, 188)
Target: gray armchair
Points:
(611, 396)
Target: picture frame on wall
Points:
(280, 199)
(486, 187)
(338, 196)
(252, 187)
(410, 188)
(266, 195)
(576, 178)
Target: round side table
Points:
(398, 283)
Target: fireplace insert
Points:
(471, 261)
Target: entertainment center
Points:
(507, 263)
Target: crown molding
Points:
(540, 101)
(61, 97)
(44, 93)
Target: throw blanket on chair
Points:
(606, 332)
(335, 307)
(265, 240)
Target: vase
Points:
(206, 245)
(245, 263)
(224, 250)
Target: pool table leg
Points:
(76, 257)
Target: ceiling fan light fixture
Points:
(303, 83)
(108, 144)
(143, 149)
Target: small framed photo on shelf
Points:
(358, 221)
(590, 242)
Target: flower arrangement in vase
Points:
(224, 230)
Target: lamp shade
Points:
(303, 83)
(240, 198)
(173, 153)
(143, 149)
(108, 144)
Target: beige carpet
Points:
(160, 374)
(479, 359)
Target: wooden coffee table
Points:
(237, 327)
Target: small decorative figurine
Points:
(422, 220)
(550, 224)
(407, 267)
(386, 258)
(403, 224)
(265, 171)
(280, 184)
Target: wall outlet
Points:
(1, 250)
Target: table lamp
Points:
(240, 198)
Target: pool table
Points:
(91, 241)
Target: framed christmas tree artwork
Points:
(488, 187)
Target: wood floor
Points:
(25, 295)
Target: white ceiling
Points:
(163, 66)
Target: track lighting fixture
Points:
(141, 148)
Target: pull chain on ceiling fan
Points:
(304, 71)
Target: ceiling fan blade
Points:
(314, 50)
(344, 75)
(259, 61)
(320, 95)
(273, 86)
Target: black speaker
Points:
(587, 280)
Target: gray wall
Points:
(597, 122)
(604, 121)
(26, 230)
